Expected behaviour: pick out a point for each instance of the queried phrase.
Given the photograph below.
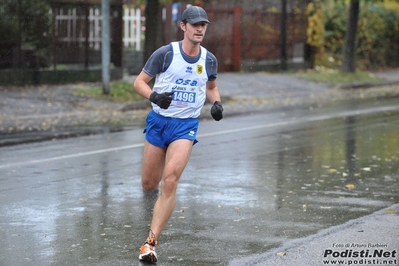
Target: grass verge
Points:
(119, 92)
(338, 77)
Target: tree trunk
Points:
(309, 55)
(283, 35)
(153, 25)
(349, 55)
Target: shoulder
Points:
(163, 50)
(159, 60)
(211, 65)
(211, 57)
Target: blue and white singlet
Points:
(187, 81)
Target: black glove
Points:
(163, 100)
(217, 111)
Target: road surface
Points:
(254, 182)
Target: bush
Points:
(35, 26)
(377, 36)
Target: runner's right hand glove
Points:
(163, 100)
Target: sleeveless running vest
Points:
(187, 81)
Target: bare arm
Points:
(212, 92)
(141, 85)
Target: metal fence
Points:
(235, 36)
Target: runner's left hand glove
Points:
(163, 100)
(217, 111)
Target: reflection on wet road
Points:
(253, 182)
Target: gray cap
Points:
(195, 14)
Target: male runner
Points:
(185, 74)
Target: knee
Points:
(169, 186)
(149, 185)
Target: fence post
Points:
(138, 29)
(237, 39)
(87, 26)
(283, 35)
(126, 30)
(54, 10)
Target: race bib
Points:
(184, 94)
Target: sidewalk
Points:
(371, 234)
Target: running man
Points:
(185, 74)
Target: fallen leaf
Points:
(281, 253)
(350, 186)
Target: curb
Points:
(310, 249)
(364, 85)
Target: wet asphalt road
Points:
(253, 182)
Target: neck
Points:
(189, 48)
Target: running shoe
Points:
(147, 251)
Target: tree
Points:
(25, 22)
(153, 22)
(349, 53)
(314, 32)
(153, 25)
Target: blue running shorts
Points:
(161, 131)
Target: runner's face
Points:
(195, 32)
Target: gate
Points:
(239, 37)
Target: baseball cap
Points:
(194, 14)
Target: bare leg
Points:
(177, 156)
(153, 166)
